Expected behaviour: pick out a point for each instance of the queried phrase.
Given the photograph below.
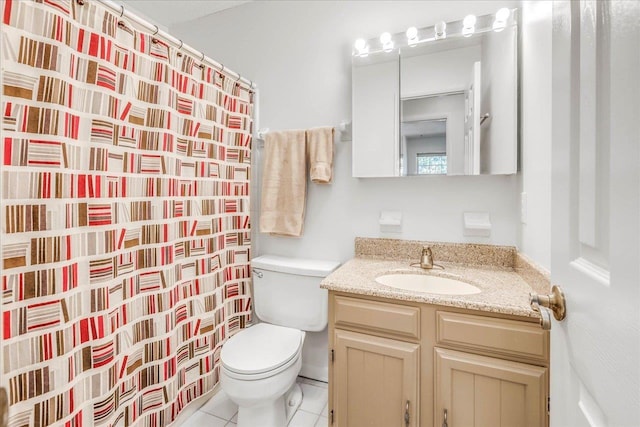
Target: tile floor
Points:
(222, 412)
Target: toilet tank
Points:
(287, 291)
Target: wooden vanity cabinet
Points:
(375, 369)
(393, 361)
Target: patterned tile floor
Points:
(222, 412)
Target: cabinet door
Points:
(376, 107)
(479, 391)
(375, 378)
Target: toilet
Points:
(260, 364)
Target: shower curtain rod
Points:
(177, 43)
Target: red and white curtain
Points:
(125, 231)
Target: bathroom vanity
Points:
(409, 358)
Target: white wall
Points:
(300, 55)
(535, 180)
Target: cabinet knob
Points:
(444, 422)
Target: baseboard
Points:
(315, 373)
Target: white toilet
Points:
(260, 364)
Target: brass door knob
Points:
(554, 301)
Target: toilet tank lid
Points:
(299, 266)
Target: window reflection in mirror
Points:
(424, 147)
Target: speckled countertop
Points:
(504, 285)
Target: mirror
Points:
(438, 107)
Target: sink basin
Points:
(429, 284)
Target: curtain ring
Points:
(239, 78)
(121, 10)
(157, 30)
(202, 57)
(181, 44)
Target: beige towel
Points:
(284, 183)
(320, 144)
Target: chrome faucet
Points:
(426, 259)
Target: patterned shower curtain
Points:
(125, 218)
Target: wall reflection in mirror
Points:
(438, 107)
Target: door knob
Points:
(554, 301)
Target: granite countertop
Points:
(504, 289)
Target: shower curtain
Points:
(125, 218)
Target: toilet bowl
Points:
(259, 370)
(259, 364)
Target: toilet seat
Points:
(261, 351)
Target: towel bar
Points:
(344, 127)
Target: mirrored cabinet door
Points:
(376, 115)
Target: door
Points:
(376, 381)
(595, 215)
(485, 391)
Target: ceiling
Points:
(167, 13)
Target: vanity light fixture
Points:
(501, 20)
(468, 25)
(440, 30)
(412, 36)
(387, 43)
(361, 48)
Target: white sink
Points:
(429, 284)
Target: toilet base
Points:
(277, 413)
(293, 400)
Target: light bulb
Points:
(361, 48)
(412, 36)
(468, 25)
(469, 21)
(440, 30)
(502, 14)
(501, 20)
(387, 44)
(498, 26)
